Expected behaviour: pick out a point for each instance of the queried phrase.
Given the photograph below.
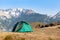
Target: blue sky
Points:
(50, 7)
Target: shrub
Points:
(42, 26)
(46, 25)
(58, 27)
(51, 24)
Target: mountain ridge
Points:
(27, 15)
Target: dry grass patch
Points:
(13, 37)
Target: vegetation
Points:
(58, 27)
(10, 37)
(51, 24)
(50, 38)
(46, 25)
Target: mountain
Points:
(9, 17)
(24, 14)
(56, 17)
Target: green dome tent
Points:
(22, 27)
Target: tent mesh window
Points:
(19, 26)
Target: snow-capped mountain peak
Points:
(16, 12)
(20, 9)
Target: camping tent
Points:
(22, 27)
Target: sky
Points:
(49, 7)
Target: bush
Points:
(46, 25)
(51, 24)
(59, 27)
(42, 26)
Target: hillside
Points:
(37, 34)
(46, 33)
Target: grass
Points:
(50, 38)
(10, 37)
(46, 33)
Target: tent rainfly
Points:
(22, 27)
